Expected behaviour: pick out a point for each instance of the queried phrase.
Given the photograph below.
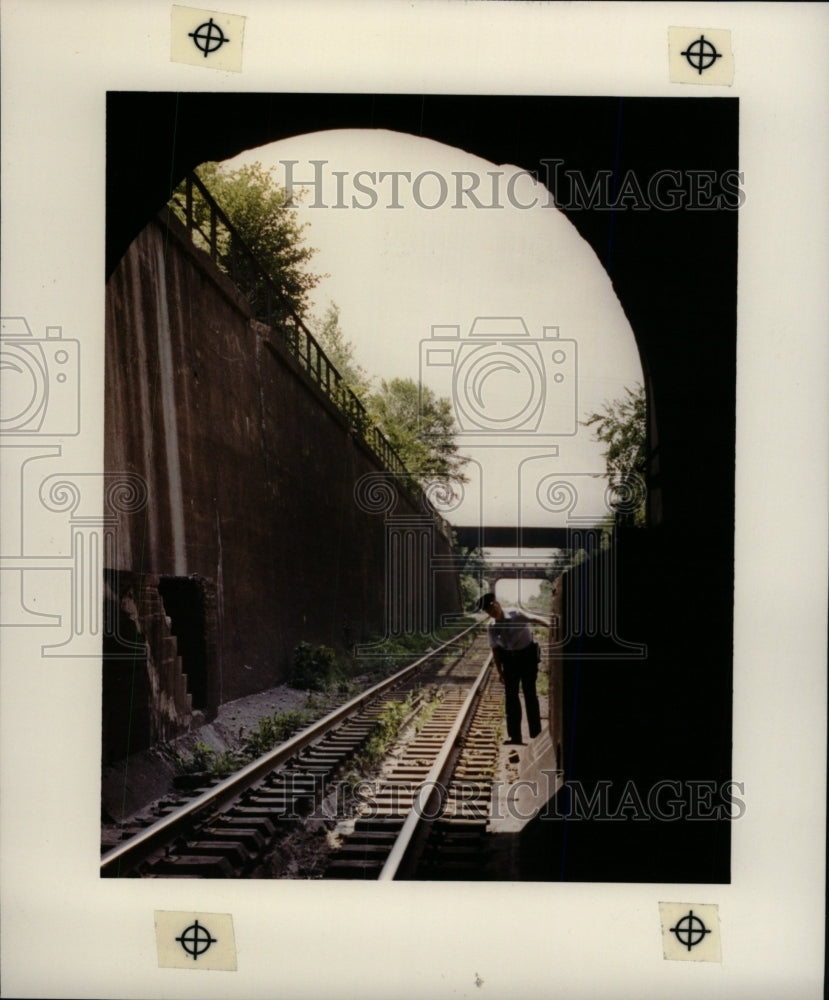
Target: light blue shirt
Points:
(512, 633)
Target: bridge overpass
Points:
(513, 537)
(525, 570)
(526, 563)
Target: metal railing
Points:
(211, 230)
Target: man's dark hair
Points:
(486, 602)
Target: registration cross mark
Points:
(195, 940)
(690, 930)
(208, 37)
(701, 54)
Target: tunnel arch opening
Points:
(582, 134)
(463, 275)
(675, 276)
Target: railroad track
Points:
(229, 830)
(426, 816)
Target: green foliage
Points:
(199, 760)
(271, 730)
(259, 210)
(390, 654)
(427, 711)
(542, 601)
(471, 591)
(225, 763)
(315, 668)
(261, 739)
(387, 729)
(324, 674)
(417, 424)
(353, 779)
(205, 759)
(318, 702)
(473, 574)
(340, 352)
(420, 427)
(622, 426)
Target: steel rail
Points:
(433, 790)
(138, 848)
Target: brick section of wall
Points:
(250, 469)
(145, 696)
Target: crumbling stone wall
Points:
(145, 697)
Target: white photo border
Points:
(67, 932)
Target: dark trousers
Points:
(520, 671)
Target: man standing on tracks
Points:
(516, 656)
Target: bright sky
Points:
(398, 272)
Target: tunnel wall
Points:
(641, 679)
(250, 471)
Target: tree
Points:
(340, 352)
(420, 426)
(258, 209)
(622, 427)
(416, 423)
(474, 574)
(543, 600)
